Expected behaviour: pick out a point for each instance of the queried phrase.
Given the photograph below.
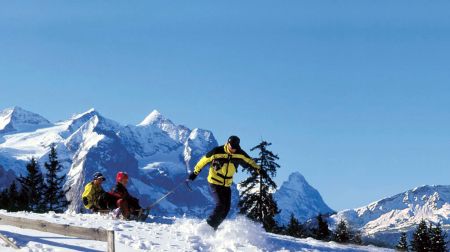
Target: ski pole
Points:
(169, 193)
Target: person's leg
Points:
(111, 201)
(227, 201)
(103, 202)
(221, 198)
(225, 198)
(123, 205)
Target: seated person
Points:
(94, 196)
(127, 204)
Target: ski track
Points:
(162, 234)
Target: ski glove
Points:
(192, 176)
(85, 201)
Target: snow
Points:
(154, 116)
(87, 112)
(384, 220)
(5, 117)
(17, 119)
(178, 133)
(157, 153)
(84, 138)
(162, 234)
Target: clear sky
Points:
(355, 95)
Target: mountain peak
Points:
(18, 119)
(297, 197)
(420, 196)
(382, 221)
(15, 110)
(179, 133)
(296, 181)
(90, 112)
(154, 117)
(296, 177)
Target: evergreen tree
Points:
(294, 228)
(356, 238)
(54, 194)
(438, 239)
(341, 234)
(33, 185)
(23, 200)
(322, 232)
(13, 196)
(403, 243)
(421, 241)
(256, 200)
(4, 199)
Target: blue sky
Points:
(355, 95)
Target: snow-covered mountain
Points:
(177, 132)
(157, 154)
(382, 222)
(297, 197)
(17, 119)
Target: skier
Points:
(94, 196)
(127, 205)
(224, 162)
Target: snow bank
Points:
(239, 234)
(163, 234)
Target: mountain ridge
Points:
(382, 221)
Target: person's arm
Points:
(202, 163)
(247, 161)
(87, 196)
(116, 192)
(206, 159)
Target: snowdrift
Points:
(163, 234)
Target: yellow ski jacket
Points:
(91, 195)
(224, 165)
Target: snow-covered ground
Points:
(162, 234)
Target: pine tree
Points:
(33, 185)
(23, 200)
(294, 228)
(256, 200)
(4, 199)
(341, 234)
(421, 241)
(356, 238)
(54, 194)
(438, 239)
(13, 196)
(403, 243)
(322, 232)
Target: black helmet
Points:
(98, 175)
(234, 142)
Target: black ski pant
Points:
(107, 201)
(222, 198)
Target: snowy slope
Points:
(157, 154)
(163, 234)
(297, 197)
(382, 221)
